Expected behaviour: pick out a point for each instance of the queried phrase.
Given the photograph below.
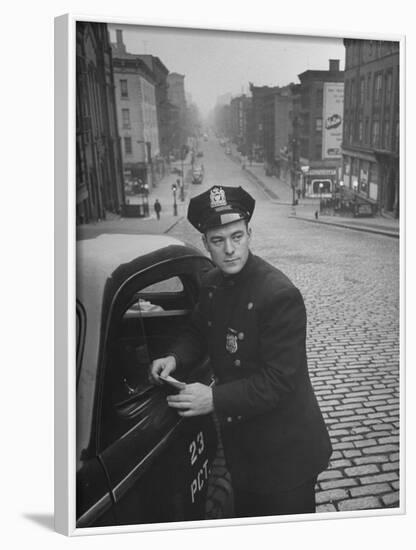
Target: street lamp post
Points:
(175, 206)
(321, 187)
(355, 187)
(341, 192)
(146, 197)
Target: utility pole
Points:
(295, 158)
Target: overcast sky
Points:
(215, 63)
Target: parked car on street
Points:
(197, 174)
(137, 460)
(176, 170)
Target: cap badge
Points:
(231, 341)
(217, 197)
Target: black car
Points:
(137, 461)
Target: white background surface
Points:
(26, 395)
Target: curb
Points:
(173, 225)
(270, 194)
(384, 232)
(258, 181)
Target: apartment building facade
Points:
(370, 148)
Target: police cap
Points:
(218, 206)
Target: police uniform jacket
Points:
(253, 326)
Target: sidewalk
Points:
(281, 193)
(380, 225)
(276, 189)
(149, 225)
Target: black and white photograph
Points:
(207, 275)
(237, 275)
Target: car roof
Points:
(107, 251)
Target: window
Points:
(353, 92)
(397, 136)
(372, 47)
(375, 133)
(150, 312)
(368, 86)
(360, 130)
(305, 123)
(378, 83)
(347, 166)
(346, 93)
(127, 146)
(321, 186)
(125, 115)
(80, 328)
(123, 88)
(173, 284)
(318, 124)
(386, 134)
(366, 130)
(345, 129)
(319, 98)
(388, 86)
(374, 172)
(362, 90)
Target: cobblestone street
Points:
(350, 282)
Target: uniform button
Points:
(210, 294)
(239, 417)
(229, 419)
(210, 323)
(241, 335)
(250, 305)
(237, 362)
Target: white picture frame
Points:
(65, 261)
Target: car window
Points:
(80, 327)
(147, 318)
(173, 284)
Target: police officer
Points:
(251, 320)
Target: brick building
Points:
(240, 113)
(283, 107)
(99, 174)
(263, 123)
(160, 76)
(370, 146)
(177, 98)
(317, 130)
(137, 114)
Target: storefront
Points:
(362, 176)
(320, 182)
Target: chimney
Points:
(120, 47)
(334, 65)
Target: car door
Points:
(94, 502)
(157, 464)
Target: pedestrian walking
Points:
(251, 321)
(157, 208)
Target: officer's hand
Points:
(160, 368)
(194, 400)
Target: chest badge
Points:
(231, 342)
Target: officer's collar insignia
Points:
(231, 343)
(217, 197)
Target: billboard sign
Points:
(332, 119)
